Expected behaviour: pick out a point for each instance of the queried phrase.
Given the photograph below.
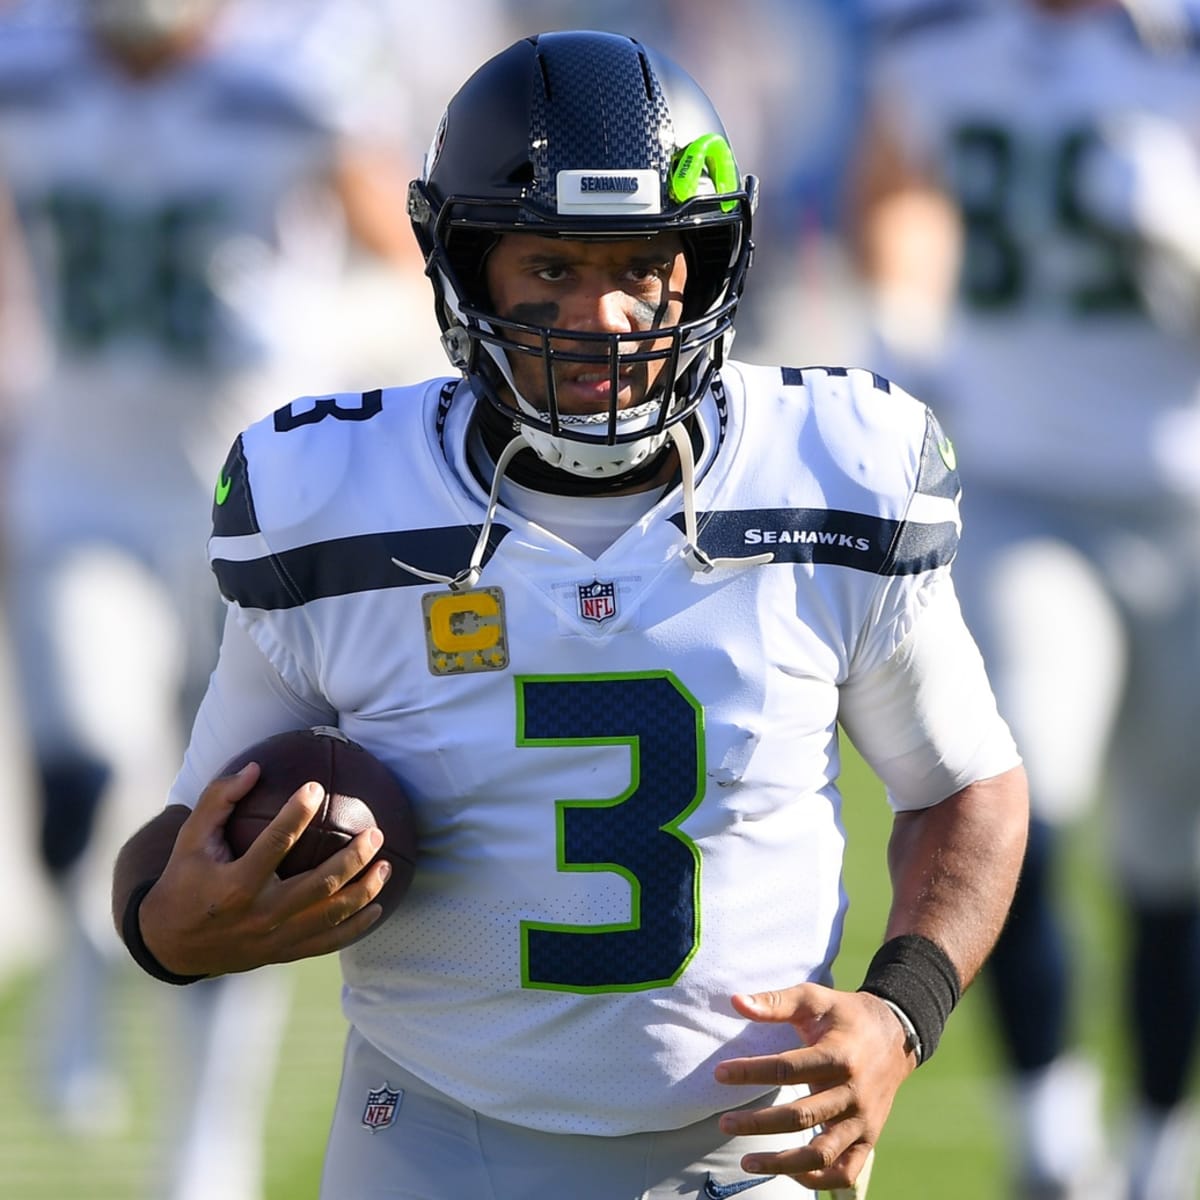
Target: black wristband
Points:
(131, 935)
(916, 976)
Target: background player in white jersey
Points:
(1030, 235)
(181, 212)
(601, 602)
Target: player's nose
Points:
(601, 307)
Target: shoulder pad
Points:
(289, 466)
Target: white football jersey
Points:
(1057, 381)
(178, 226)
(624, 769)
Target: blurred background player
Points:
(191, 220)
(1028, 228)
(378, 69)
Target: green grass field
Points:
(944, 1140)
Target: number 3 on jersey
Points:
(635, 834)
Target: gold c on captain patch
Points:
(465, 632)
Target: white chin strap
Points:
(468, 577)
(697, 560)
(595, 460)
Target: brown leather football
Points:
(359, 791)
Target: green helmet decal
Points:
(708, 155)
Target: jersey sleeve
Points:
(247, 699)
(254, 513)
(916, 701)
(925, 719)
(922, 539)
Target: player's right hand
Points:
(211, 914)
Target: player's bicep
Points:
(247, 699)
(926, 719)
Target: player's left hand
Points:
(853, 1060)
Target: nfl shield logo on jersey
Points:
(597, 601)
(382, 1105)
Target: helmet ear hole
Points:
(710, 256)
(461, 349)
(466, 253)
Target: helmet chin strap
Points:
(594, 460)
(533, 470)
(698, 561)
(468, 577)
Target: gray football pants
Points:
(421, 1145)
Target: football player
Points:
(601, 599)
(1028, 227)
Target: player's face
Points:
(627, 286)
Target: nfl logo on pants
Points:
(381, 1107)
(597, 601)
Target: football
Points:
(359, 791)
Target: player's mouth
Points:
(591, 391)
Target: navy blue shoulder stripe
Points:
(919, 547)
(794, 376)
(343, 566)
(938, 473)
(233, 506)
(830, 536)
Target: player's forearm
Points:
(954, 868)
(144, 856)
